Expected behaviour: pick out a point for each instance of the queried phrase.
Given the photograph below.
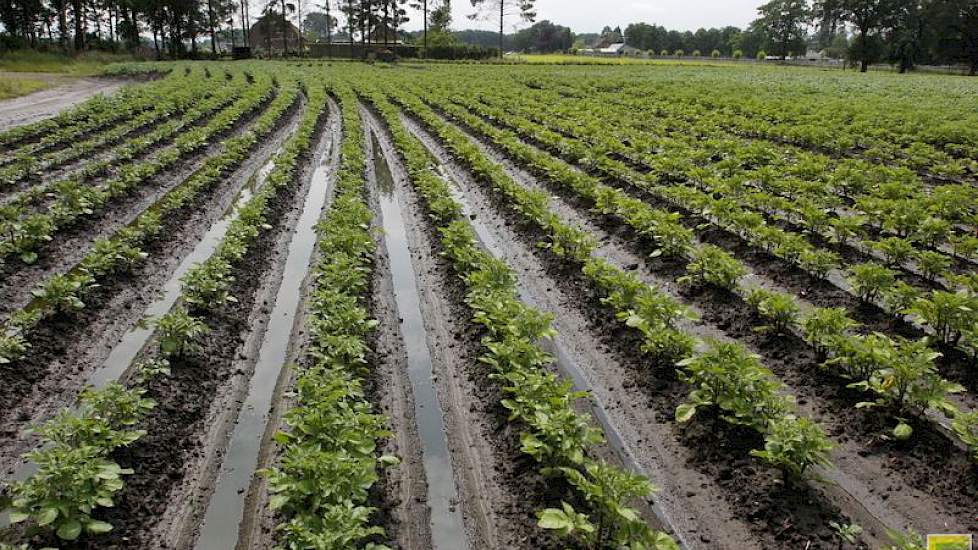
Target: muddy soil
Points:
(65, 93)
(500, 487)
(69, 348)
(177, 461)
(953, 364)
(724, 316)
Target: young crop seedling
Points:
(712, 265)
(779, 308)
(846, 532)
(870, 280)
(905, 379)
(824, 325)
(793, 445)
(733, 382)
(180, 333)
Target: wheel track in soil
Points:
(70, 244)
(44, 104)
(621, 249)
(226, 516)
(500, 488)
(74, 347)
(441, 495)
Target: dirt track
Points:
(66, 92)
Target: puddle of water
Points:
(125, 352)
(447, 529)
(220, 528)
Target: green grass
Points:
(565, 59)
(14, 87)
(84, 64)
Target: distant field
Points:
(524, 306)
(565, 59)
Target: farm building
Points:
(613, 50)
(266, 34)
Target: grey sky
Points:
(592, 15)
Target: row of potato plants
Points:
(558, 437)
(921, 139)
(949, 316)
(853, 193)
(127, 103)
(690, 144)
(173, 102)
(83, 457)
(19, 205)
(751, 395)
(90, 109)
(328, 461)
(792, 246)
(76, 473)
(124, 250)
(726, 376)
(904, 380)
(23, 237)
(809, 187)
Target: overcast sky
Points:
(593, 15)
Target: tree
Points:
(319, 26)
(78, 9)
(828, 21)
(869, 17)
(486, 9)
(423, 6)
(784, 21)
(954, 24)
(441, 17)
(750, 41)
(544, 37)
(906, 35)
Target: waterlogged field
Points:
(323, 306)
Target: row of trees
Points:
(900, 31)
(904, 32)
(657, 38)
(176, 26)
(181, 28)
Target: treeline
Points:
(657, 39)
(186, 28)
(903, 32)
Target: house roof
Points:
(613, 48)
(272, 23)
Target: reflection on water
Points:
(220, 529)
(447, 530)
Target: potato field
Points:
(311, 305)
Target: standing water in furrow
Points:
(125, 352)
(447, 531)
(220, 528)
